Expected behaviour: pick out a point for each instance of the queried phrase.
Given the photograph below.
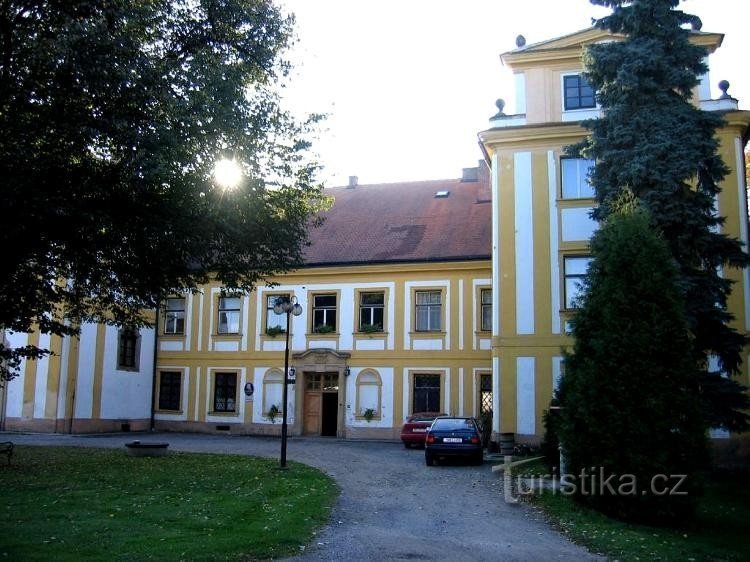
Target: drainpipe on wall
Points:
(153, 375)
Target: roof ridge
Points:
(401, 183)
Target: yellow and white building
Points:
(541, 204)
(439, 295)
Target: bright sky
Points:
(408, 84)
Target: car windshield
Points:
(452, 424)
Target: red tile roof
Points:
(405, 222)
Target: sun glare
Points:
(227, 173)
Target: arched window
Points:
(369, 394)
(273, 390)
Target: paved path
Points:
(392, 506)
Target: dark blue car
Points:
(453, 437)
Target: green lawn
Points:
(65, 503)
(720, 532)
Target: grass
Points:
(65, 503)
(718, 534)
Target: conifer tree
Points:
(629, 403)
(653, 141)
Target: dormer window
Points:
(578, 93)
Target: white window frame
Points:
(580, 113)
(366, 311)
(485, 306)
(570, 296)
(173, 314)
(274, 320)
(429, 306)
(232, 315)
(582, 189)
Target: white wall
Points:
(127, 394)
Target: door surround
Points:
(321, 360)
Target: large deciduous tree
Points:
(653, 141)
(113, 114)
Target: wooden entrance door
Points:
(313, 401)
(317, 385)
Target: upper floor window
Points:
(575, 178)
(429, 311)
(324, 313)
(174, 318)
(225, 392)
(578, 93)
(229, 315)
(128, 347)
(574, 268)
(371, 306)
(275, 322)
(486, 305)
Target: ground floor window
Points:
(426, 393)
(225, 392)
(128, 348)
(369, 393)
(170, 387)
(273, 388)
(485, 394)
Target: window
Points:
(429, 311)
(229, 315)
(486, 305)
(273, 390)
(324, 313)
(225, 392)
(578, 92)
(128, 349)
(574, 268)
(485, 394)
(368, 393)
(371, 306)
(174, 318)
(275, 321)
(327, 382)
(575, 178)
(426, 393)
(170, 385)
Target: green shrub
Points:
(550, 446)
(628, 395)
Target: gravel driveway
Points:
(392, 506)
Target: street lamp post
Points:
(288, 306)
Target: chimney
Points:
(470, 174)
(353, 182)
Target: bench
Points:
(138, 449)
(6, 448)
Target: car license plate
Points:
(452, 440)
(419, 430)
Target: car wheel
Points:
(407, 445)
(478, 459)
(428, 459)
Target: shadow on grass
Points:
(67, 503)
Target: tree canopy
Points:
(654, 142)
(113, 115)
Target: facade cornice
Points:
(530, 135)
